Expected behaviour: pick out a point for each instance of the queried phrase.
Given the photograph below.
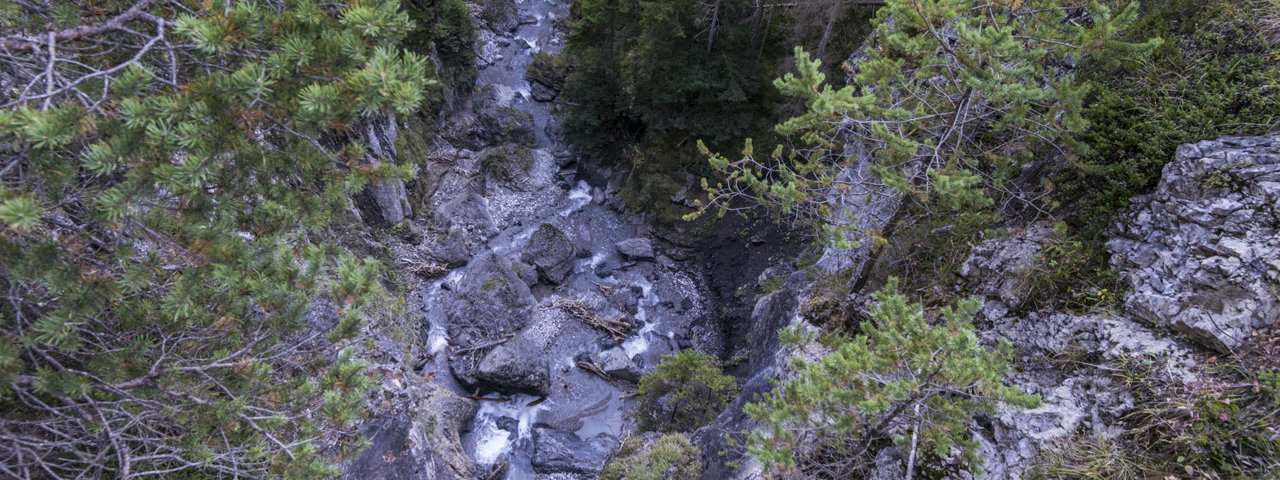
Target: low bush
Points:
(671, 457)
(687, 391)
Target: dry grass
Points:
(1269, 21)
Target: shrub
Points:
(1214, 76)
(670, 457)
(687, 391)
(902, 381)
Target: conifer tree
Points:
(903, 381)
(946, 102)
(171, 175)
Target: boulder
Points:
(555, 451)
(466, 214)
(489, 303)
(617, 364)
(502, 15)
(507, 125)
(636, 248)
(1202, 253)
(515, 366)
(542, 93)
(550, 252)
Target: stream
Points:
(498, 328)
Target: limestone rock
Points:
(1001, 270)
(517, 366)
(1202, 253)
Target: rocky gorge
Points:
(543, 299)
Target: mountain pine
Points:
(172, 175)
(903, 381)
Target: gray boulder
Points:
(1202, 253)
(489, 303)
(468, 215)
(636, 248)
(542, 93)
(550, 251)
(507, 125)
(502, 15)
(617, 364)
(516, 365)
(555, 451)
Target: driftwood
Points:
(617, 328)
(484, 345)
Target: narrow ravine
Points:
(509, 328)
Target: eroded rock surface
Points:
(1202, 253)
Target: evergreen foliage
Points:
(1216, 76)
(902, 380)
(686, 391)
(948, 101)
(169, 178)
(669, 69)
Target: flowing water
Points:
(660, 294)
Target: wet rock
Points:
(444, 416)
(636, 249)
(550, 251)
(1202, 253)
(542, 93)
(502, 15)
(490, 303)
(617, 364)
(515, 366)
(563, 452)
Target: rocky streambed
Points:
(548, 301)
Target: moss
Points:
(772, 284)
(670, 457)
(504, 162)
(547, 69)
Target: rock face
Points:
(563, 452)
(1000, 270)
(1202, 253)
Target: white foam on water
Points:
(579, 197)
(437, 342)
(491, 442)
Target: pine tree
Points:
(949, 99)
(903, 381)
(172, 175)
